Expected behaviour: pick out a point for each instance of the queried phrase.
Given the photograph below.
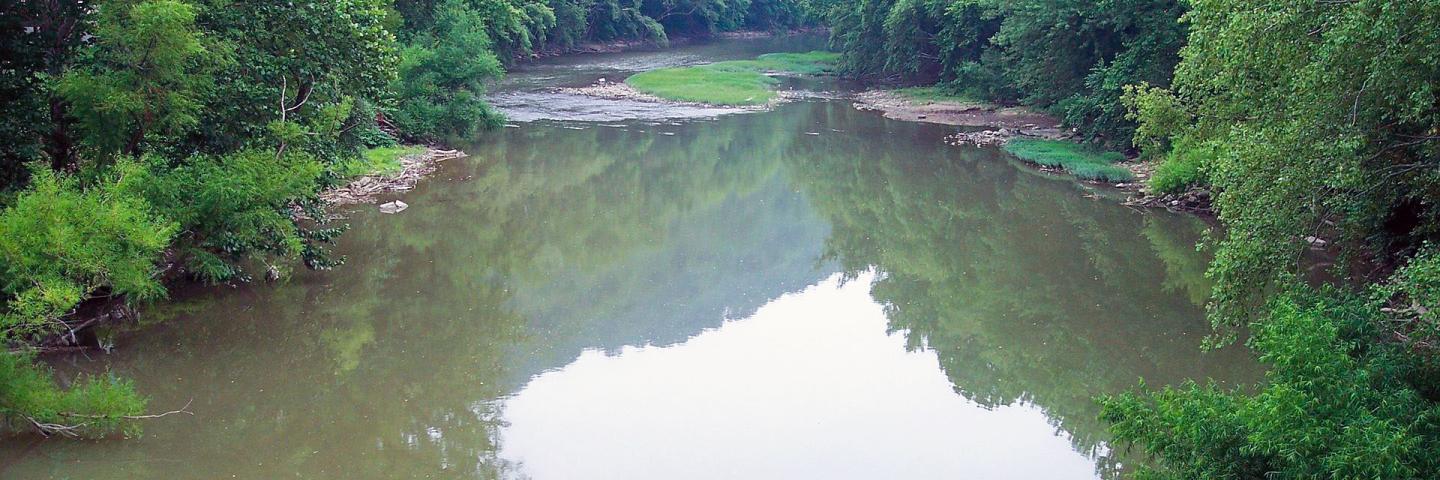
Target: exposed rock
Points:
(1196, 200)
(393, 207)
(983, 138)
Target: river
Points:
(598, 292)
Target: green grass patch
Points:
(377, 161)
(706, 85)
(1181, 169)
(935, 94)
(1078, 160)
(738, 82)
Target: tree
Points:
(144, 76)
(38, 41)
(443, 74)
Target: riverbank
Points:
(1003, 122)
(405, 173)
(996, 125)
(381, 176)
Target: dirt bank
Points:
(1003, 122)
(997, 125)
(367, 188)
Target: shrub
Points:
(93, 406)
(1180, 170)
(60, 243)
(1335, 404)
(441, 83)
(236, 207)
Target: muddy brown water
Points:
(809, 292)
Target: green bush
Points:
(440, 86)
(60, 244)
(1335, 404)
(1180, 170)
(1078, 160)
(93, 406)
(235, 208)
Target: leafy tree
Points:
(1330, 122)
(1068, 56)
(38, 40)
(144, 76)
(298, 63)
(1308, 119)
(236, 208)
(1335, 404)
(62, 244)
(443, 74)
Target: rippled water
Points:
(810, 292)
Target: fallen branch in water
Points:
(47, 429)
(45, 350)
(185, 410)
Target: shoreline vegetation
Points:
(1036, 138)
(1310, 124)
(625, 45)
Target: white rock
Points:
(393, 207)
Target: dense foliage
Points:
(1313, 122)
(1335, 404)
(442, 76)
(1067, 56)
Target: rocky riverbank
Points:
(367, 188)
(995, 125)
(1001, 123)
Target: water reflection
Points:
(549, 295)
(1029, 291)
(749, 401)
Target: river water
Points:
(808, 292)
